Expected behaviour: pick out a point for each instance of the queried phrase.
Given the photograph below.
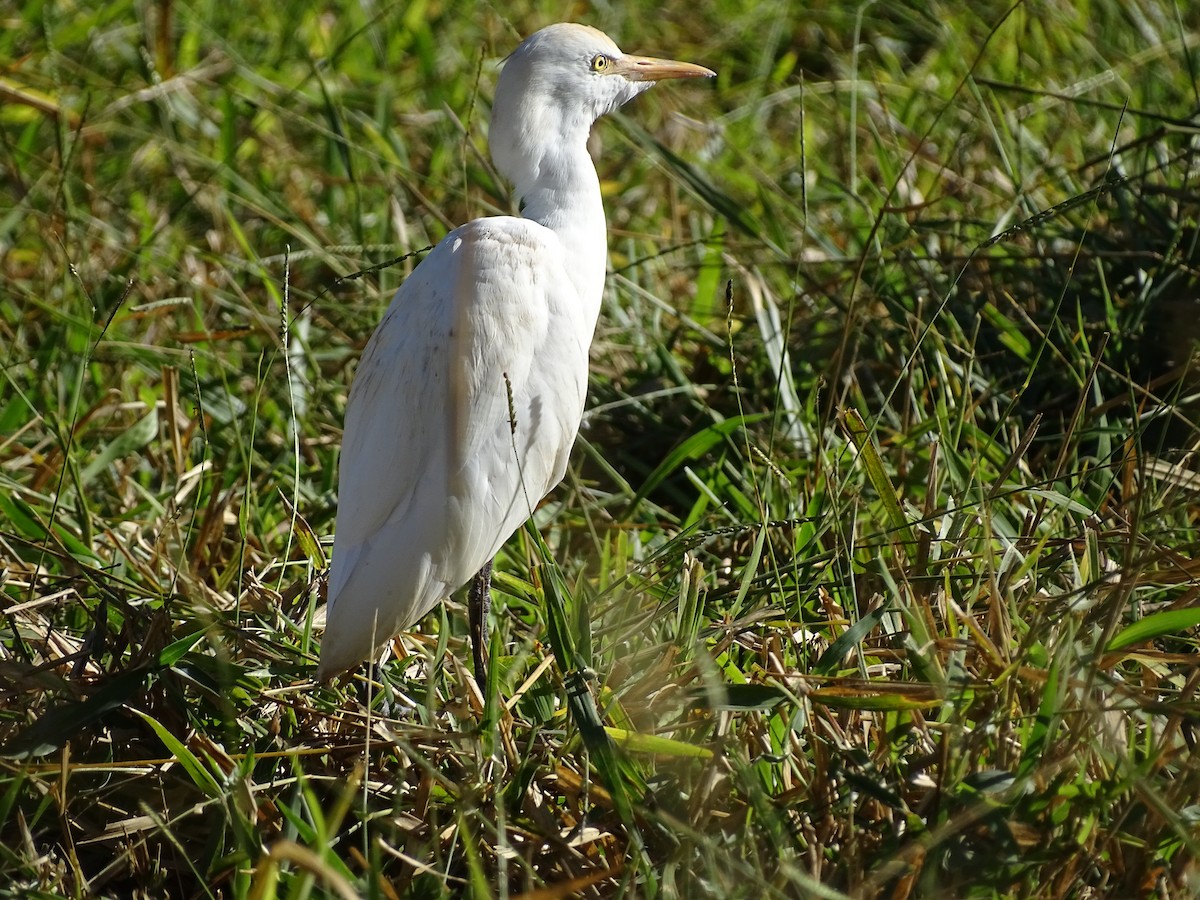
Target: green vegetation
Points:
(877, 571)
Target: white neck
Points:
(564, 195)
(542, 148)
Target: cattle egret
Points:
(470, 393)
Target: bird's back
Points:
(461, 418)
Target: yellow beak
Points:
(647, 68)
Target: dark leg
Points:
(479, 601)
(365, 688)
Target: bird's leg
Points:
(479, 602)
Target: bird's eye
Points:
(600, 62)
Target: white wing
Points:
(430, 483)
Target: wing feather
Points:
(433, 478)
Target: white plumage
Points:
(430, 484)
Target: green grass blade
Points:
(1155, 625)
(877, 474)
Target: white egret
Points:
(470, 393)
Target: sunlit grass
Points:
(876, 570)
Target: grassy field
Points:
(877, 569)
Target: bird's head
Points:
(558, 82)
